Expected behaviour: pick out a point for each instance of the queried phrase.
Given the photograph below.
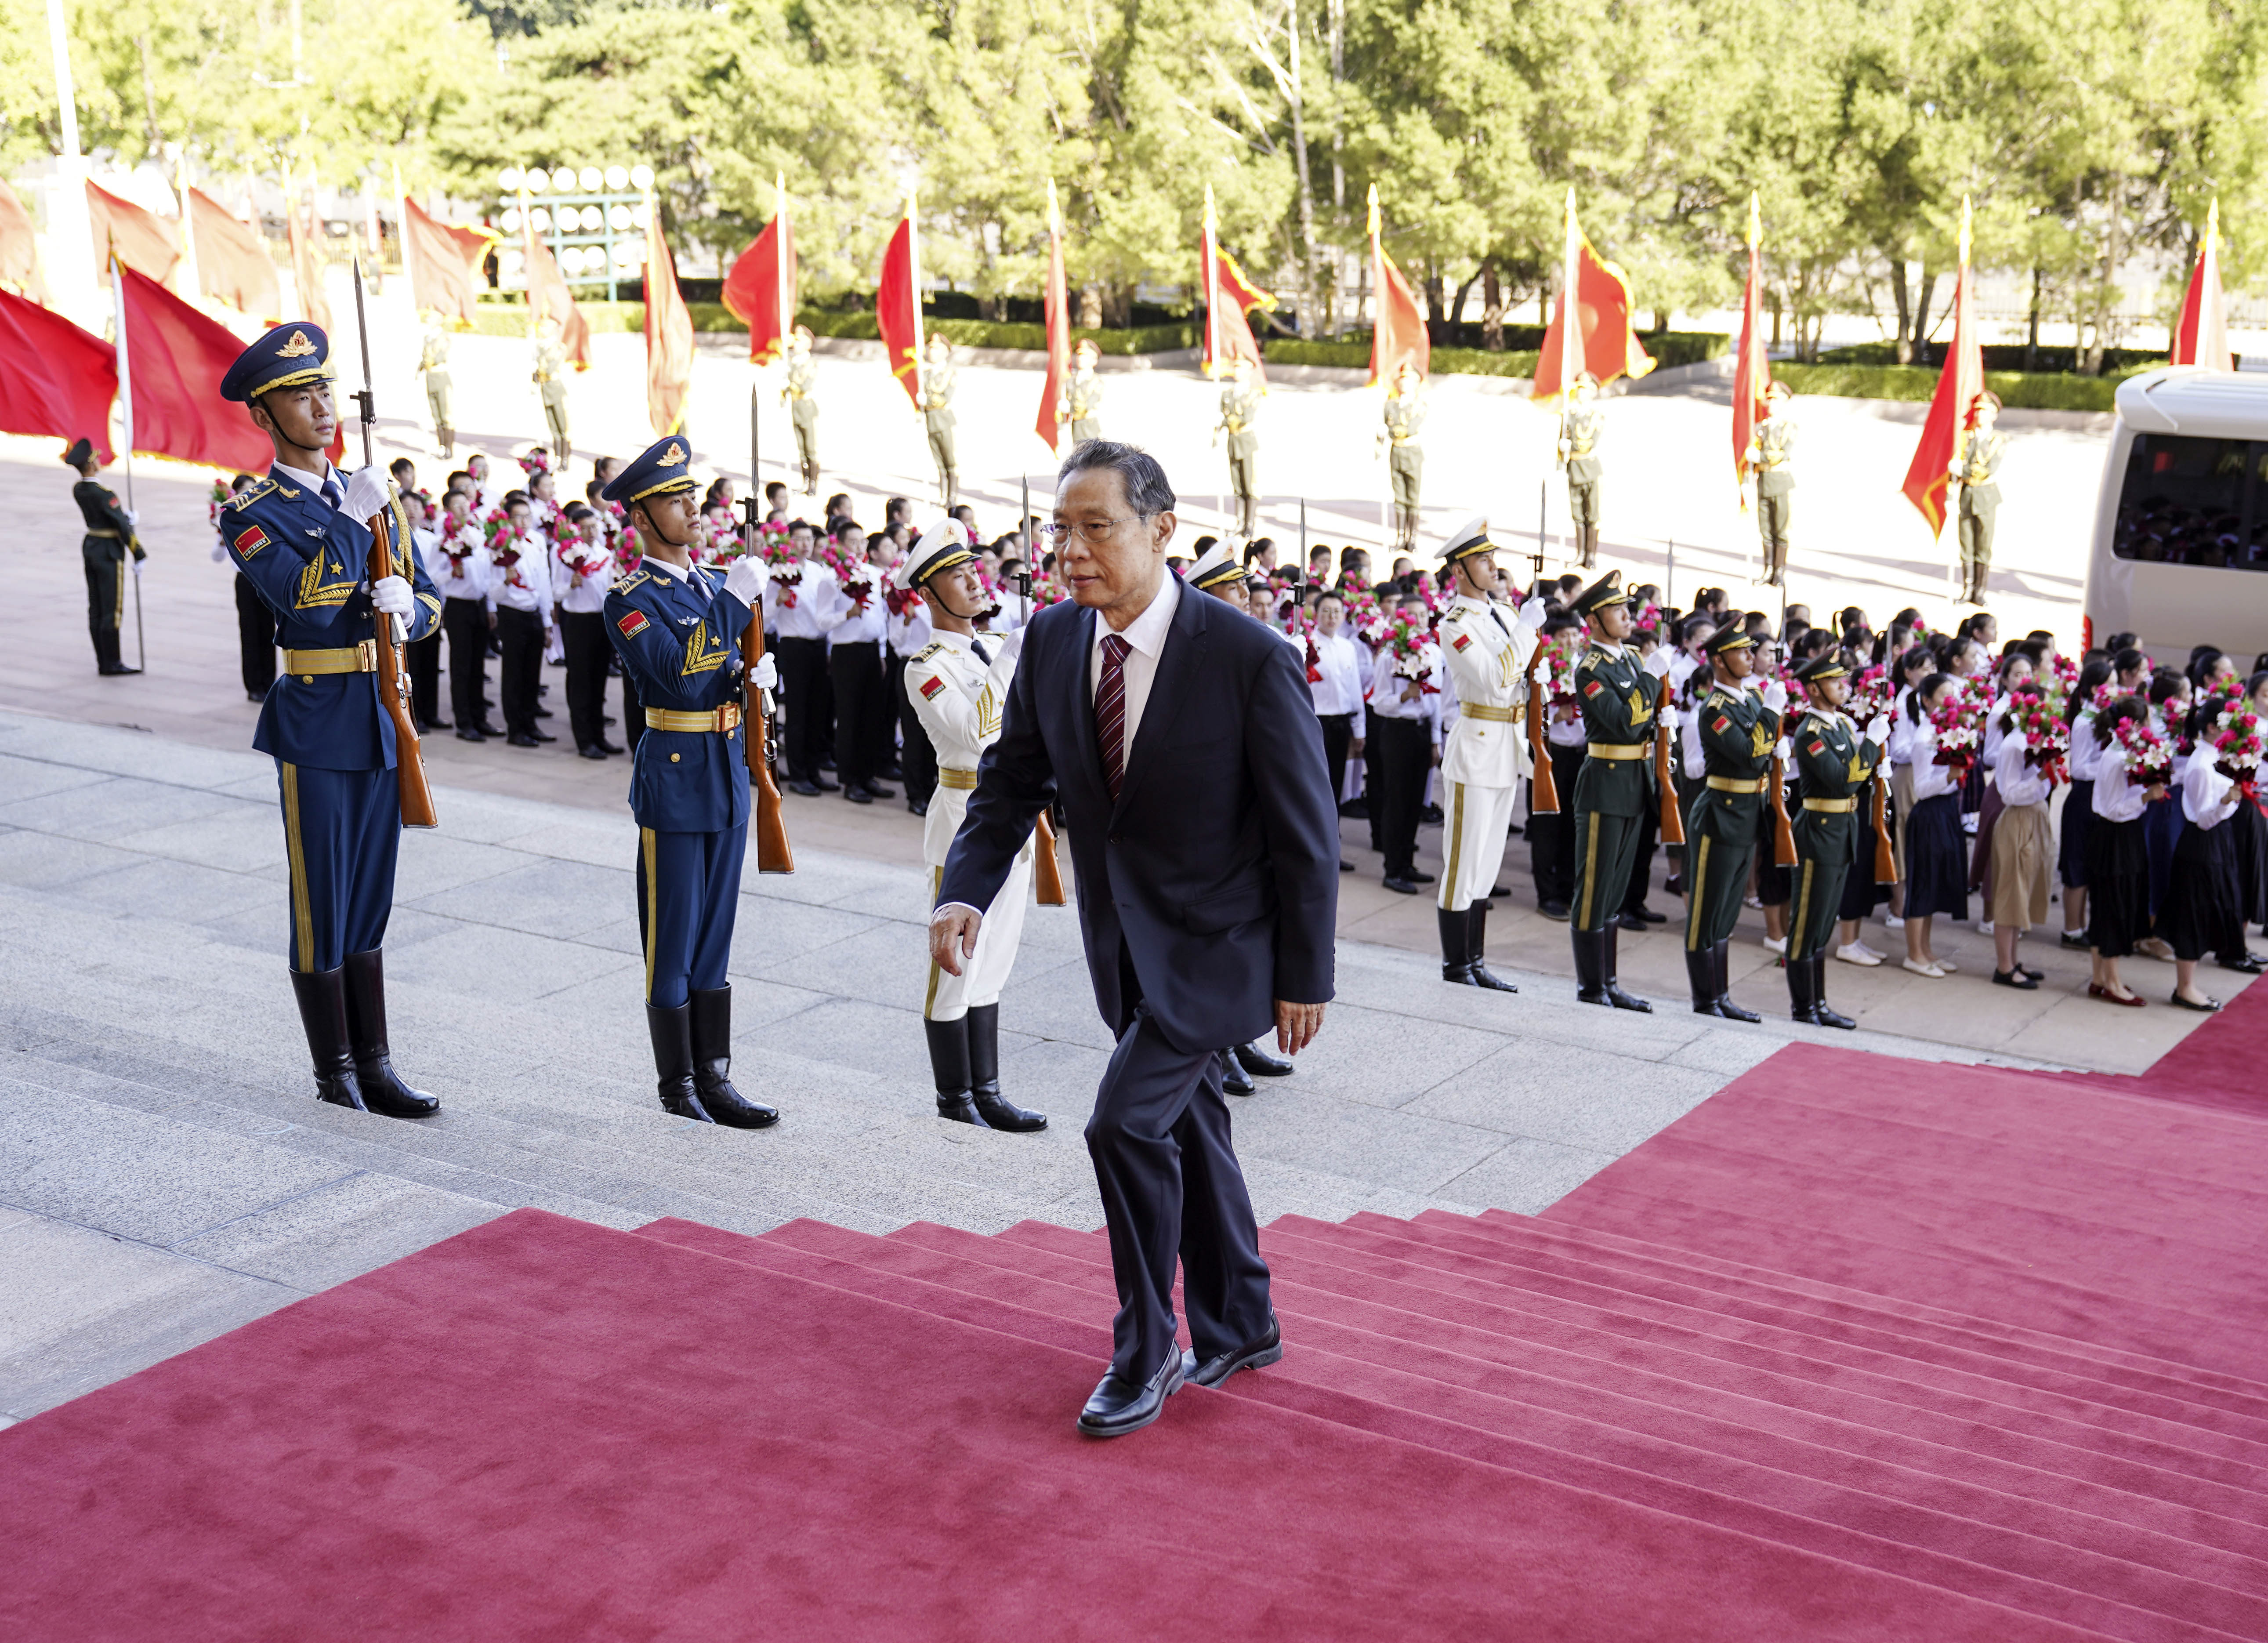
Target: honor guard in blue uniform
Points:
(299, 537)
(677, 629)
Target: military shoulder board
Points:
(928, 651)
(251, 494)
(632, 581)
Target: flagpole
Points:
(125, 425)
(1960, 412)
(1570, 323)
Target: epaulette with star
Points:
(625, 583)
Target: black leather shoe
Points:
(470, 734)
(997, 1111)
(1400, 886)
(1629, 921)
(518, 740)
(825, 785)
(2206, 1008)
(712, 1065)
(1261, 1062)
(322, 996)
(255, 696)
(2248, 965)
(1258, 1354)
(1119, 1406)
(1645, 915)
(859, 795)
(487, 729)
(919, 807)
(545, 735)
(383, 1092)
(1555, 910)
(589, 752)
(807, 789)
(1421, 878)
(873, 792)
(2015, 979)
(948, 1066)
(1476, 919)
(672, 1032)
(1496, 891)
(1346, 866)
(116, 670)
(1234, 1080)
(609, 748)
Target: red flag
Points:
(19, 248)
(668, 335)
(175, 358)
(1607, 344)
(306, 271)
(897, 306)
(1945, 432)
(1057, 312)
(142, 241)
(444, 262)
(1752, 369)
(54, 378)
(1228, 296)
(232, 261)
(2201, 338)
(548, 297)
(1398, 335)
(752, 289)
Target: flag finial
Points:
(1373, 210)
(1964, 231)
(1756, 221)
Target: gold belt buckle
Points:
(366, 656)
(728, 717)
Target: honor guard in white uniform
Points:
(958, 684)
(1486, 649)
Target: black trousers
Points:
(425, 659)
(1338, 736)
(1173, 1190)
(862, 718)
(916, 756)
(106, 597)
(1373, 780)
(255, 638)
(521, 632)
(1551, 839)
(1405, 755)
(803, 685)
(465, 622)
(583, 634)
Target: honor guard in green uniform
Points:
(433, 365)
(1579, 449)
(801, 394)
(1405, 458)
(1739, 728)
(938, 382)
(1614, 789)
(1834, 765)
(1977, 472)
(109, 538)
(1770, 452)
(552, 382)
(1082, 403)
(1240, 406)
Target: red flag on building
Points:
(1945, 432)
(307, 267)
(1752, 368)
(444, 262)
(56, 380)
(1605, 342)
(175, 358)
(140, 240)
(2201, 336)
(897, 304)
(548, 297)
(753, 290)
(1398, 335)
(1055, 311)
(232, 261)
(19, 247)
(1228, 296)
(668, 333)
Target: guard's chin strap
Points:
(654, 526)
(930, 591)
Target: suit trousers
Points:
(521, 632)
(1171, 1189)
(341, 833)
(1404, 759)
(803, 680)
(917, 758)
(862, 714)
(1551, 839)
(688, 889)
(255, 638)
(582, 633)
(466, 623)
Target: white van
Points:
(2181, 529)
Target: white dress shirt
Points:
(525, 585)
(2117, 798)
(468, 539)
(912, 630)
(2019, 781)
(1146, 634)
(2085, 751)
(2208, 797)
(1386, 684)
(585, 595)
(1340, 662)
(1930, 778)
(809, 616)
(852, 624)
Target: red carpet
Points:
(1859, 1349)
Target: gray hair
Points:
(1148, 491)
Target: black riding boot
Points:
(1701, 978)
(985, 1075)
(948, 1066)
(1820, 1012)
(1590, 964)
(1720, 963)
(1476, 919)
(671, 1028)
(1456, 955)
(322, 996)
(1616, 996)
(1802, 1002)
(712, 1061)
(382, 1090)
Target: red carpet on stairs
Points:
(1857, 1349)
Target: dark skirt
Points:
(1861, 895)
(2198, 917)
(2249, 845)
(2078, 816)
(2162, 830)
(2117, 887)
(1937, 880)
(1972, 788)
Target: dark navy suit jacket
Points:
(1216, 872)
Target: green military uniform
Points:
(937, 382)
(1614, 791)
(1585, 472)
(1085, 393)
(1979, 472)
(552, 382)
(109, 538)
(1775, 490)
(1405, 463)
(1834, 767)
(1724, 824)
(433, 365)
(802, 396)
(1240, 406)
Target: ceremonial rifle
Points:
(390, 632)
(773, 854)
(1673, 825)
(1543, 790)
(1047, 875)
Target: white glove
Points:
(392, 595)
(1533, 613)
(368, 492)
(1658, 664)
(1782, 751)
(137, 563)
(765, 674)
(133, 516)
(220, 552)
(1878, 730)
(745, 581)
(1775, 696)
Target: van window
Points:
(2189, 500)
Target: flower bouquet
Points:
(2149, 759)
(1404, 641)
(2038, 717)
(2237, 747)
(1959, 720)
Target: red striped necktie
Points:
(1110, 712)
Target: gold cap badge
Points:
(672, 456)
(297, 347)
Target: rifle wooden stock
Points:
(1047, 875)
(393, 686)
(773, 854)
(1543, 797)
(1782, 834)
(1886, 861)
(1672, 824)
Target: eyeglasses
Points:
(1058, 534)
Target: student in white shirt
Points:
(2117, 857)
(2023, 845)
(1936, 858)
(583, 569)
(798, 597)
(1338, 694)
(522, 593)
(856, 616)
(2199, 914)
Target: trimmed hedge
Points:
(1668, 348)
(860, 323)
(2033, 390)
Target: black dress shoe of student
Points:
(1252, 1355)
(1119, 1406)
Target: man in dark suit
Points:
(1179, 738)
